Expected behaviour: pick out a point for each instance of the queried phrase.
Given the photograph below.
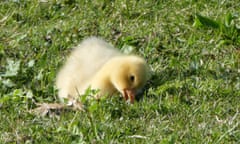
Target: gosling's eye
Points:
(132, 78)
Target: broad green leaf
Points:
(208, 22)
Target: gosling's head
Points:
(129, 75)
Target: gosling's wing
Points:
(91, 54)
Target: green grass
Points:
(192, 47)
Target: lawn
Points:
(192, 48)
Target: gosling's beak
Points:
(129, 94)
